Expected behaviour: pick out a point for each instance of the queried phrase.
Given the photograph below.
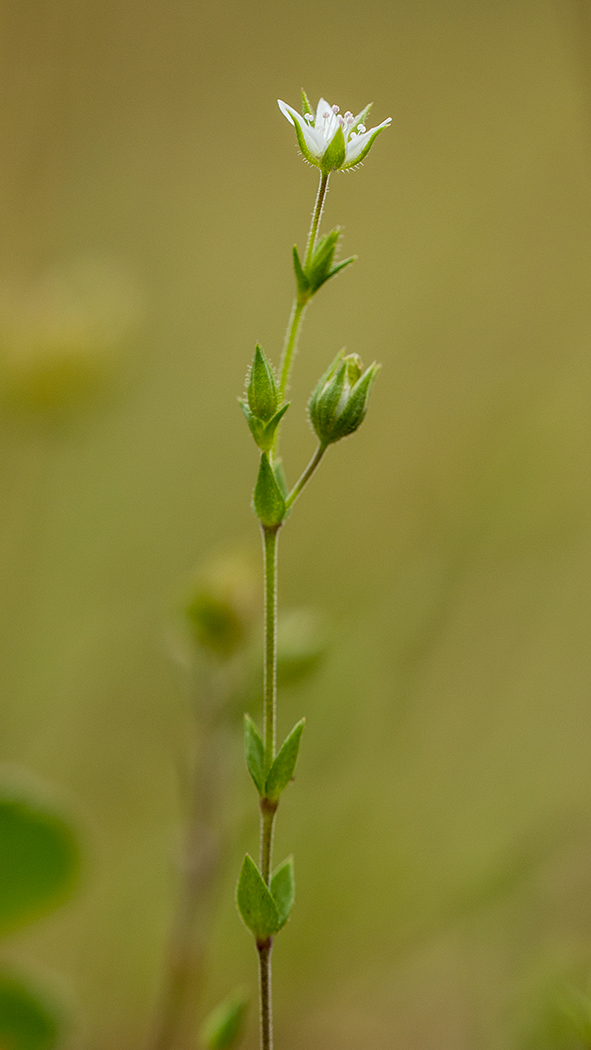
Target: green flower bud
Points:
(262, 410)
(263, 396)
(338, 405)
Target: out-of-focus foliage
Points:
(224, 1026)
(28, 1021)
(39, 859)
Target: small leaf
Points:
(255, 903)
(283, 889)
(341, 266)
(284, 765)
(269, 503)
(268, 434)
(302, 280)
(39, 860)
(223, 1027)
(27, 1021)
(255, 754)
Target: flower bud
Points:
(339, 402)
(263, 396)
(261, 408)
(221, 606)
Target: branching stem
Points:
(304, 479)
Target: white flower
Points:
(328, 140)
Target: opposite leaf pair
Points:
(271, 782)
(312, 275)
(262, 409)
(265, 909)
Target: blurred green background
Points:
(440, 820)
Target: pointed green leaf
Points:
(268, 434)
(255, 903)
(306, 107)
(334, 155)
(283, 889)
(341, 266)
(39, 860)
(268, 501)
(302, 281)
(255, 754)
(283, 767)
(27, 1020)
(223, 1027)
(257, 427)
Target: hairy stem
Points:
(268, 807)
(304, 479)
(298, 309)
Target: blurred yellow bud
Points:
(301, 645)
(224, 605)
(63, 340)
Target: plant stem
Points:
(268, 807)
(304, 479)
(316, 216)
(299, 308)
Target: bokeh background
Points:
(150, 195)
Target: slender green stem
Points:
(316, 216)
(304, 479)
(264, 951)
(268, 807)
(298, 309)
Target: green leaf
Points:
(303, 284)
(334, 154)
(268, 500)
(255, 903)
(255, 754)
(283, 767)
(27, 1021)
(39, 860)
(268, 434)
(223, 1027)
(341, 266)
(306, 107)
(283, 889)
(364, 151)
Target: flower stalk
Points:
(336, 409)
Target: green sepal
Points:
(334, 154)
(364, 151)
(302, 281)
(303, 147)
(282, 770)
(263, 433)
(306, 107)
(283, 889)
(263, 397)
(255, 902)
(268, 500)
(362, 117)
(254, 750)
(356, 407)
(223, 1027)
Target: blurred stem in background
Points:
(219, 645)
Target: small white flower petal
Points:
(314, 141)
(357, 143)
(322, 108)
